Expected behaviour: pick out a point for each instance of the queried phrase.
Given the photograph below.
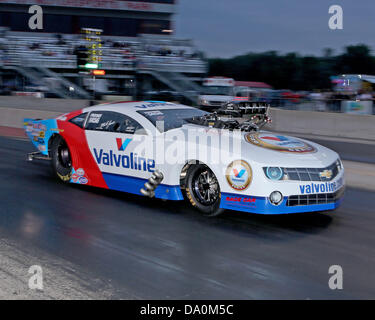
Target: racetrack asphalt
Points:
(94, 243)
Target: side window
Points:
(79, 120)
(104, 121)
(110, 121)
(131, 126)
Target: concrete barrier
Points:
(323, 123)
(14, 109)
(12, 117)
(48, 104)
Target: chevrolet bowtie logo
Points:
(326, 174)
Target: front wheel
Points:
(61, 160)
(203, 190)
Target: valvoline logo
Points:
(131, 161)
(321, 187)
(279, 143)
(153, 104)
(275, 138)
(121, 146)
(238, 174)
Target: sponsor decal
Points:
(79, 176)
(326, 187)
(38, 140)
(56, 130)
(239, 175)
(154, 113)
(121, 145)
(36, 130)
(41, 147)
(279, 143)
(82, 180)
(131, 161)
(95, 118)
(75, 177)
(154, 104)
(249, 201)
(29, 126)
(39, 126)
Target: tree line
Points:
(293, 71)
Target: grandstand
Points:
(138, 47)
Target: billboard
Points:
(357, 107)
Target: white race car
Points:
(173, 152)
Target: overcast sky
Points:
(224, 28)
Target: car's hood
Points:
(272, 149)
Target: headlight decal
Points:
(274, 173)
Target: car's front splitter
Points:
(262, 205)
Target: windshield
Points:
(171, 118)
(217, 91)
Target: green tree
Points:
(292, 71)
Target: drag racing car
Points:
(154, 149)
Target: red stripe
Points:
(81, 155)
(119, 144)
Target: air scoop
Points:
(247, 116)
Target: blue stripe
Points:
(133, 185)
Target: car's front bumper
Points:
(262, 205)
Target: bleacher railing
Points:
(31, 51)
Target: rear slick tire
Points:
(61, 160)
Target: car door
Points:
(114, 140)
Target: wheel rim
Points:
(64, 156)
(206, 187)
